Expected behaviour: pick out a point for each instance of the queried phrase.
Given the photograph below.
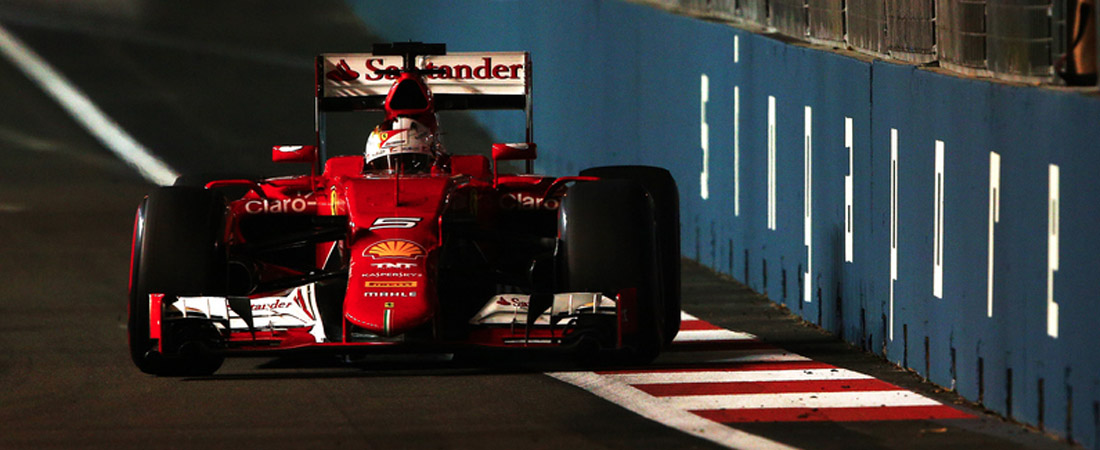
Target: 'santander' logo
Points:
(485, 71)
(342, 72)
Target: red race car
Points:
(406, 247)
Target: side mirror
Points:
(512, 152)
(294, 153)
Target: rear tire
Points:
(608, 245)
(666, 210)
(176, 251)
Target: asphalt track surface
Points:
(208, 86)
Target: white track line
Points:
(736, 376)
(731, 357)
(657, 410)
(868, 399)
(11, 208)
(86, 113)
(763, 355)
(712, 335)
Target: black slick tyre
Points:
(176, 251)
(608, 245)
(666, 211)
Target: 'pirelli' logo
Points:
(391, 284)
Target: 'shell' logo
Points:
(394, 248)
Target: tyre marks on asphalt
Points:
(729, 377)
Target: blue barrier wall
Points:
(618, 83)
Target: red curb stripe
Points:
(693, 325)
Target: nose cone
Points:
(388, 288)
(389, 312)
(394, 248)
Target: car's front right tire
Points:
(609, 246)
(661, 186)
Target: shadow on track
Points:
(462, 363)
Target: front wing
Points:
(292, 319)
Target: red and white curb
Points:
(712, 376)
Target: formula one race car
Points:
(406, 247)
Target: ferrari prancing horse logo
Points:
(394, 248)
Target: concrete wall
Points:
(618, 83)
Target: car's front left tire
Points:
(176, 251)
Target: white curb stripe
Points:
(664, 394)
(761, 358)
(732, 376)
(731, 357)
(657, 410)
(762, 355)
(712, 335)
(870, 399)
(86, 113)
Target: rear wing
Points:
(488, 80)
(492, 80)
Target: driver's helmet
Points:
(400, 144)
